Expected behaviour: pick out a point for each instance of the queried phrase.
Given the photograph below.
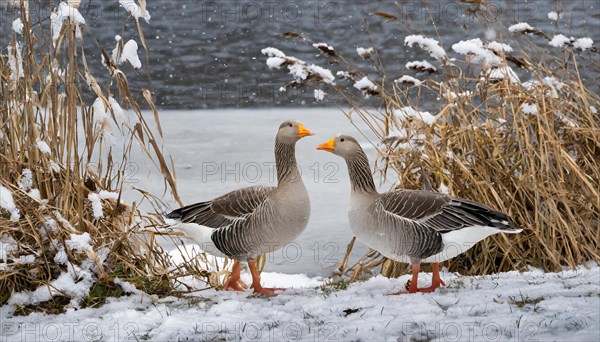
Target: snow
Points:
(127, 286)
(531, 84)
(117, 110)
(102, 116)
(272, 52)
(553, 82)
(43, 147)
(453, 96)
(498, 47)
(344, 74)
(325, 74)
(430, 45)
(275, 62)
(130, 54)
(520, 27)
(17, 26)
(406, 79)
(299, 69)
(79, 242)
(476, 49)
(26, 180)
(96, 205)
(510, 306)
(35, 194)
(96, 200)
(365, 53)
(15, 61)
(7, 203)
(63, 13)
(365, 85)
(423, 66)
(75, 283)
(529, 108)
(7, 246)
(500, 73)
(54, 166)
(409, 112)
(583, 43)
(135, 10)
(553, 16)
(103, 194)
(560, 40)
(319, 94)
(324, 47)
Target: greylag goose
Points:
(252, 221)
(412, 226)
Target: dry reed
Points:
(531, 150)
(57, 142)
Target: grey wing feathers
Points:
(223, 210)
(413, 204)
(241, 202)
(441, 212)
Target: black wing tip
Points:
(175, 214)
(497, 219)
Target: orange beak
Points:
(303, 131)
(328, 146)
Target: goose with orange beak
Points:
(412, 226)
(252, 221)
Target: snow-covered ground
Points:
(513, 306)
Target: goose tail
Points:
(200, 234)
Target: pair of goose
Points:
(409, 226)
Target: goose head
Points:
(342, 145)
(291, 131)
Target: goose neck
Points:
(285, 163)
(361, 178)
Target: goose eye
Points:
(290, 125)
(342, 140)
